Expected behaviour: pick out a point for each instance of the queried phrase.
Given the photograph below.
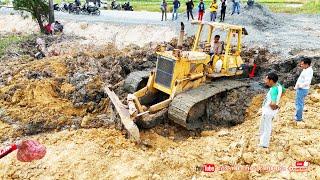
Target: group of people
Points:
(270, 105)
(213, 8)
(52, 28)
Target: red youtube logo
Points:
(302, 163)
(208, 168)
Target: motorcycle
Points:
(74, 9)
(127, 7)
(115, 6)
(104, 5)
(90, 9)
(64, 7)
(56, 7)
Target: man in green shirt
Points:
(270, 108)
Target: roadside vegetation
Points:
(7, 41)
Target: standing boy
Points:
(201, 10)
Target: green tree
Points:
(39, 10)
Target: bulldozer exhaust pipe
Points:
(181, 36)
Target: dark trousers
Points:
(164, 14)
(189, 13)
(223, 15)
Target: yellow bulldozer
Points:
(184, 82)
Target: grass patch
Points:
(283, 1)
(311, 7)
(4, 2)
(6, 41)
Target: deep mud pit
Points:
(59, 101)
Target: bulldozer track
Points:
(189, 109)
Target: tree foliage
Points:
(39, 9)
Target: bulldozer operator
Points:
(216, 46)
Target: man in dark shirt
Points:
(190, 6)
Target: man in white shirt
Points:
(302, 86)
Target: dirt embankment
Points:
(105, 153)
(64, 91)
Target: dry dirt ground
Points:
(105, 153)
(59, 102)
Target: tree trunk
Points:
(40, 22)
(51, 12)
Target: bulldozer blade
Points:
(124, 114)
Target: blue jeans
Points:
(300, 95)
(213, 16)
(236, 7)
(175, 11)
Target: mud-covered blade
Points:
(129, 125)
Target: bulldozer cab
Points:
(230, 39)
(176, 69)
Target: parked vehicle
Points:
(56, 7)
(127, 7)
(74, 9)
(90, 9)
(115, 5)
(64, 7)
